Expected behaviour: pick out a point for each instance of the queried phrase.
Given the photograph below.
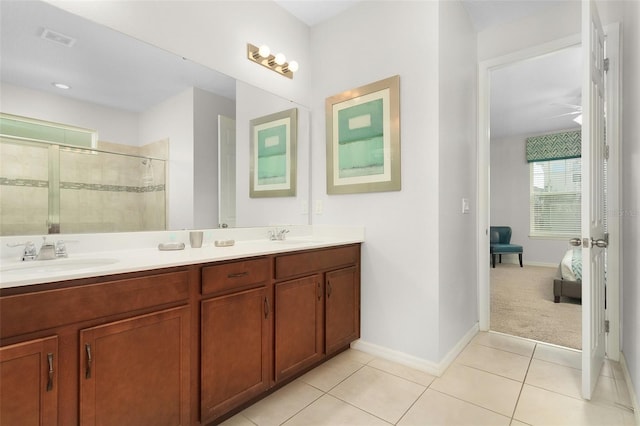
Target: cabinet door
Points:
(136, 371)
(28, 383)
(298, 325)
(235, 351)
(342, 308)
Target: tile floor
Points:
(496, 380)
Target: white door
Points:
(593, 205)
(226, 172)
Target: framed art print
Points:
(363, 139)
(273, 155)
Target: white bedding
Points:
(571, 265)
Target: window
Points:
(555, 198)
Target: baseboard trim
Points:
(632, 392)
(436, 369)
(514, 261)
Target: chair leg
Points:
(500, 256)
(520, 257)
(493, 260)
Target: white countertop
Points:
(16, 273)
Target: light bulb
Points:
(293, 66)
(264, 51)
(280, 59)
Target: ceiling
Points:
(525, 96)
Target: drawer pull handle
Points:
(87, 373)
(319, 292)
(238, 274)
(50, 378)
(329, 289)
(266, 308)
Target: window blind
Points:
(555, 198)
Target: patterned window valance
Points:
(556, 146)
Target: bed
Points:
(568, 282)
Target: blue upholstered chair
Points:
(500, 243)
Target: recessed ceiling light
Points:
(61, 86)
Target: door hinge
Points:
(605, 64)
(606, 152)
(606, 326)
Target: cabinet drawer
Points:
(41, 310)
(309, 262)
(235, 276)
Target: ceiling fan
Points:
(577, 111)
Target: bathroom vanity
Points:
(185, 344)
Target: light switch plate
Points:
(465, 206)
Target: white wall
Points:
(113, 125)
(631, 193)
(256, 103)
(401, 273)
(207, 107)
(173, 120)
(458, 303)
(510, 201)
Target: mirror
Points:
(145, 104)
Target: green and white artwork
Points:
(363, 138)
(273, 155)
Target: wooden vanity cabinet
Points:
(136, 371)
(334, 275)
(136, 327)
(299, 328)
(236, 335)
(29, 380)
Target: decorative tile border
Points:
(31, 183)
(34, 183)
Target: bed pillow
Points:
(565, 266)
(576, 264)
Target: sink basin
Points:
(55, 265)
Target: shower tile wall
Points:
(99, 192)
(24, 200)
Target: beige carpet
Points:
(522, 305)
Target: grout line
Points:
(470, 403)
(515, 407)
(411, 406)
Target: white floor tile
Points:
(379, 393)
(334, 371)
(496, 361)
(435, 408)
(505, 342)
(331, 411)
(542, 407)
(283, 404)
(238, 420)
(478, 387)
(562, 356)
(555, 377)
(416, 376)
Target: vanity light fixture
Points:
(278, 63)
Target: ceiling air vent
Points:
(57, 37)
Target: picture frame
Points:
(363, 139)
(273, 166)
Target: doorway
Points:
(613, 179)
(535, 190)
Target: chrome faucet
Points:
(47, 251)
(278, 234)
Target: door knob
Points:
(600, 243)
(576, 242)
